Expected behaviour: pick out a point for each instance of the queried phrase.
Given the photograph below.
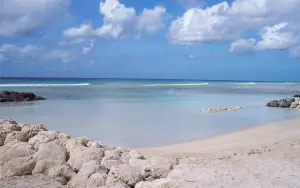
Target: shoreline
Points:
(211, 144)
(266, 156)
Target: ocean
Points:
(143, 113)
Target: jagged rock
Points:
(88, 168)
(11, 96)
(96, 180)
(16, 136)
(62, 173)
(20, 166)
(273, 103)
(294, 105)
(289, 101)
(3, 135)
(135, 154)
(51, 151)
(48, 136)
(33, 181)
(10, 125)
(113, 182)
(160, 183)
(283, 104)
(126, 173)
(96, 144)
(160, 167)
(9, 152)
(82, 154)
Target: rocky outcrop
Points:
(293, 102)
(11, 96)
(221, 109)
(28, 151)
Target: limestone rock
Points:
(48, 136)
(126, 173)
(87, 169)
(17, 167)
(16, 136)
(62, 173)
(10, 125)
(160, 183)
(96, 180)
(34, 181)
(9, 152)
(294, 105)
(283, 103)
(135, 154)
(160, 167)
(80, 155)
(51, 151)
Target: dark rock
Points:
(297, 96)
(273, 103)
(7, 96)
(283, 103)
(289, 101)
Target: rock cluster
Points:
(11, 96)
(293, 102)
(221, 109)
(58, 160)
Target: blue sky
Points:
(180, 39)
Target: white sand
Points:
(266, 156)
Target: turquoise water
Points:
(140, 113)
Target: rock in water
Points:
(273, 103)
(11, 96)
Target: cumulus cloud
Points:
(277, 20)
(70, 42)
(61, 55)
(119, 19)
(277, 37)
(89, 48)
(151, 20)
(14, 52)
(23, 17)
(243, 45)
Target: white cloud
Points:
(119, 19)
(22, 17)
(277, 20)
(85, 29)
(277, 37)
(243, 45)
(223, 22)
(151, 20)
(19, 52)
(201, 25)
(70, 42)
(62, 55)
(89, 48)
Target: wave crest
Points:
(166, 85)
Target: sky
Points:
(162, 39)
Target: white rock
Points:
(62, 173)
(88, 168)
(51, 151)
(135, 154)
(126, 173)
(17, 167)
(80, 155)
(10, 125)
(9, 152)
(96, 180)
(160, 183)
(160, 167)
(48, 136)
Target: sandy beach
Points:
(266, 156)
